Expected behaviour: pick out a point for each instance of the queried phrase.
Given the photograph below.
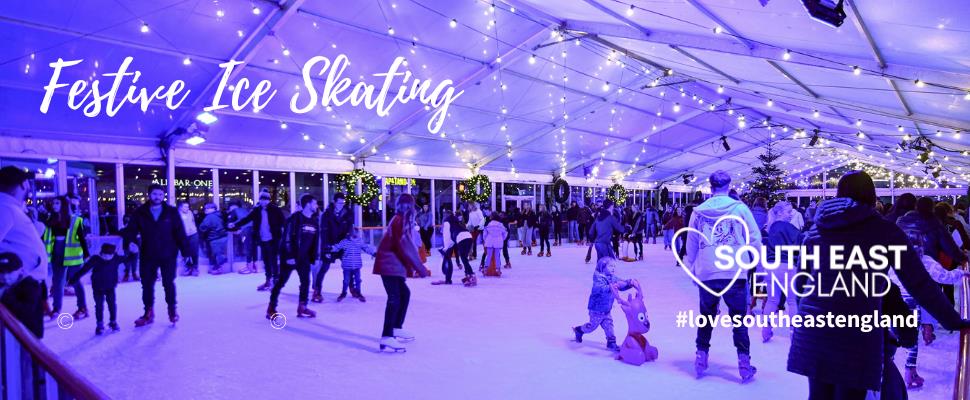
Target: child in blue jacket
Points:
(601, 301)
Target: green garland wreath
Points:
(477, 188)
(617, 194)
(560, 191)
(369, 189)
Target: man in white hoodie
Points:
(709, 218)
(476, 222)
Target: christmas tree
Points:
(769, 179)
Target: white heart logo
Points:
(747, 239)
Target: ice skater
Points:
(298, 250)
(396, 255)
(495, 237)
(601, 301)
(162, 236)
(351, 262)
(104, 280)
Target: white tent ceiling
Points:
(618, 122)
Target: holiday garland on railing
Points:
(477, 188)
(616, 194)
(369, 189)
(560, 191)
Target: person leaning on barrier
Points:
(24, 254)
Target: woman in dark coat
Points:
(844, 363)
(396, 255)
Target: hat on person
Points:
(107, 248)
(264, 195)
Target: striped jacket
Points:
(352, 247)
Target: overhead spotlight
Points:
(967, 96)
(206, 118)
(629, 11)
(256, 10)
(453, 23)
(858, 122)
(814, 140)
(676, 107)
(829, 12)
(532, 59)
(390, 30)
(196, 139)
(856, 70)
(144, 27)
(919, 83)
(770, 103)
(861, 135)
(815, 113)
(669, 71)
(724, 143)
(718, 30)
(787, 55)
(720, 88)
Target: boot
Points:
(530, 251)
(578, 332)
(173, 316)
(195, 271)
(508, 265)
(700, 363)
(146, 319)
(186, 271)
(81, 313)
(265, 286)
(134, 276)
(745, 369)
(270, 312)
(766, 334)
(317, 297)
(913, 380)
(303, 312)
(611, 344)
(470, 280)
(99, 330)
(125, 278)
(403, 335)
(440, 283)
(216, 271)
(113, 325)
(358, 296)
(343, 295)
(540, 254)
(548, 253)
(523, 251)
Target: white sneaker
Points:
(403, 335)
(388, 342)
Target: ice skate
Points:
(440, 283)
(113, 325)
(388, 342)
(523, 251)
(342, 297)
(186, 271)
(215, 271)
(173, 316)
(134, 277)
(530, 251)
(540, 254)
(766, 334)
(402, 335)
(913, 380)
(270, 312)
(146, 319)
(469, 280)
(928, 334)
(358, 296)
(303, 312)
(265, 286)
(700, 363)
(126, 277)
(611, 344)
(99, 330)
(317, 297)
(578, 332)
(81, 313)
(195, 271)
(508, 265)
(745, 369)
(548, 253)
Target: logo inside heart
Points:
(737, 272)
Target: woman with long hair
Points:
(66, 249)
(544, 223)
(780, 232)
(396, 255)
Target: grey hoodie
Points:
(700, 251)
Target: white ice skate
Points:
(388, 342)
(403, 335)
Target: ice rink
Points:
(507, 338)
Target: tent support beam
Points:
(734, 33)
(608, 11)
(863, 29)
(703, 63)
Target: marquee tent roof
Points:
(653, 90)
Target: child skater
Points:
(494, 238)
(351, 262)
(601, 301)
(104, 279)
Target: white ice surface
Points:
(507, 338)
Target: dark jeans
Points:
(736, 299)
(652, 232)
(193, 252)
(544, 240)
(149, 274)
(426, 234)
(25, 300)
(638, 244)
(616, 244)
(60, 278)
(303, 270)
(474, 246)
(352, 280)
(447, 267)
(583, 229)
(131, 263)
(271, 258)
(505, 250)
(398, 297)
(464, 247)
(557, 233)
(603, 250)
(818, 390)
(322, 272)
(99, 298)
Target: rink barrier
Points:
(961, 388)
(29, 367)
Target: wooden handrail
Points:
(961, 388)
(65, 376)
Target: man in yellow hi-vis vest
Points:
(66, 252)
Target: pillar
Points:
(61, 176)
(120, 193)
(293, 193)
(255, 187)
(326, 191)
(434, 203)
(383, 206)
(170, 175)
(215, 189)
